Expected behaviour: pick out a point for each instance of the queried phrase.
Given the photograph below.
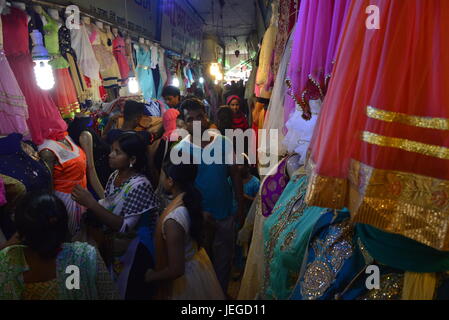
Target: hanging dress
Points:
(381, 145)
(144, 73)
(86, 58)
(70, 171)
(102, 46)
(44, 120)
(63, 93)
(313, 51)
(65, 47)
(13, 106)
(120, 57)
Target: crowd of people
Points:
(137, 224)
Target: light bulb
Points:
(133, 85)
(176, 82)
(216, 81)
(201, 80)
(214, 69)
(42, 70)
(219, 76)
(44, 74)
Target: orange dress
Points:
(381, 145)
(70, 170)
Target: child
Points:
(251, 186)
(183, 269)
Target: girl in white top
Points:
(183, 269)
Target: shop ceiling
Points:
(232, 21)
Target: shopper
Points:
(34, 268)
(212, 181)
(183, 270)
(129, 211)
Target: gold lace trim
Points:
(416, 121)
(407, 145)
(408, 204)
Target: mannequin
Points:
(142, 41)
(115, 32)
(19, 5)
(148, 43)
(86, 20)
(82, 134)
(40, 12)
(55, 16)
(99, 24)
(108, 28)
(4, 9)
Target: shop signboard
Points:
(182, 30)
(139, 16)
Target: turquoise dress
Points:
(286, 234)
(145, 74)
(336, 263)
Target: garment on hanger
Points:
(120, 56)
(286, 235)
(383, 151)
(274, 118)
(13, 106)
(315, 40)
(252, 280)
(63, 92)
(65, 47)
(145, 73)
(263, 85)
(44, 120)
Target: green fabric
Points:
(286, 236)
(13, 265)
(400, 252)
(52, 43)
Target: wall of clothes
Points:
(362, 176)
(50, 72)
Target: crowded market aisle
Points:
(162, 172)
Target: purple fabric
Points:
(314, 46)
(2, 193)
(272, 188)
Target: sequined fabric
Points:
(390, 288)
(330, 254)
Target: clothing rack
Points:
(134, 35)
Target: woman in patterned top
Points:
(34, 263)
(129, 211)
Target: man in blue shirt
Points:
(215, 159)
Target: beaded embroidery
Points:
(330, 255)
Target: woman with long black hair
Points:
(129, 213)
(183, 269)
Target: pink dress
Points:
(13, 107)
(44, 120)
(120, 56)
(314, 45)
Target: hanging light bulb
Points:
(219, 76)
(201, 80)
(175, 82)
(214, 68)
(216, 81)
(133, 85)
(42, 70)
